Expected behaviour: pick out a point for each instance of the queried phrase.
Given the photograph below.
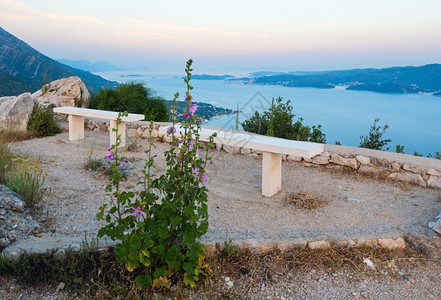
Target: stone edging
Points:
(362, 164)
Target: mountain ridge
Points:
(25, 69)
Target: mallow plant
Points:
(158, 228)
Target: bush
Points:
(133, 98)
(373, 139)
(42, 122)
(278, 121)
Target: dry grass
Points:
(304, 200)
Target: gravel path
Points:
(237, 210)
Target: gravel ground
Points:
(239, 213)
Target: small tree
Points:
(278, 121)
(373, 139)
(133, 98)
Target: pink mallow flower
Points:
(193, 107)
(109, 149)
(204, 179)
(110, 156)
(171, 130)
(195, 171)
(187, 115)
(137, 211)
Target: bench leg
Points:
(271, 174)
(76, 128)
(121, 131)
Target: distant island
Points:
(400, 80)
(205, 111)
(210, 77)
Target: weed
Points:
(5, 160)
(133, 145)
(304, 200)
(26, 178)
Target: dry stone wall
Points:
(365, 164)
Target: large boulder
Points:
(15, 112)
(63, 92)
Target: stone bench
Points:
(76, 122)
(272, 149)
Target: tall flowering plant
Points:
(159, 228)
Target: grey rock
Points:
(15, 112)
(408, 177)
(320, 160)
(434, 182)
(396, 166)
(433, 172)
(294, 158)
(343, 161)
(437, 227)
(407, 167)
(352, 199)
(431, 225)
(363, 159)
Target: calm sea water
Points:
(414, 119)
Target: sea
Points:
(414, 120)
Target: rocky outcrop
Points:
(15, 219)
(63, 92)
(15, 112)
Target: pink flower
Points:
(195, 171)
(171, 130)
(190, 148)
(204, 179)
(137, 211)
(110, 156)
(109, 149)
(193, 107)
(187, 115)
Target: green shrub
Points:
(373, 139)
(42, 122)
(278, 121)
(26, 178)
(133, 98)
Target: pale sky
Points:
(231, 36)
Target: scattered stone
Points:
(396, 166)
(369, 263)
(320, 160)
(319, 245)
(348, 244)
(365, 169)
(339, 160)
(294, 158)
(60, 287)
(433, 172)
(408, 177)
(15, 112)
(307, 159)
(392, 243)
(262, 287)
(410, 169)
(363, 159)
(431, 225)
(434, 182)
(347, 198)
(245, 151)
(16, 222)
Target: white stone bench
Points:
(272, 149)
(76, 122)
